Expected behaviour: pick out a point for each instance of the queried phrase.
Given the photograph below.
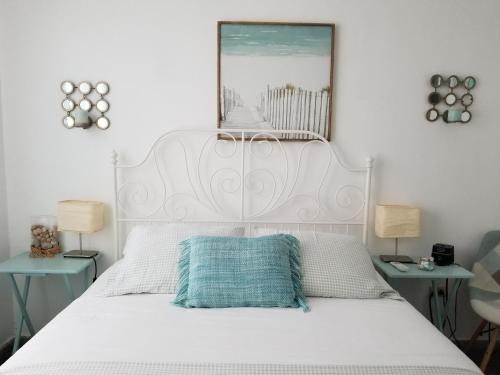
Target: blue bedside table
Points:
(23, 264)
(453, 272)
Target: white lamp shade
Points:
(80, 216)
(394, 221)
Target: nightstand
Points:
(23, 264)
(453, 272)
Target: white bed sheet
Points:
(148, 328)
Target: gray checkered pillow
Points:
(150, 257)
(335, 265)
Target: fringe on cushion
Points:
(294, 245)
(183, 273)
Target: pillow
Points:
(238, 272)
(150, 257)
(335, 265)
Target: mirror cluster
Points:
(83, 103)
(457, 99)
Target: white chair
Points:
(484, 290)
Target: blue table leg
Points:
(24, 317)
(20, 319)
(439, 310)
(86, 279)
(69, 288)
(442, 311)
(451, 298)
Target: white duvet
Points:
(147, 328)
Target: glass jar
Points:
(44, 239)
(426, 263)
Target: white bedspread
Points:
(149, 329)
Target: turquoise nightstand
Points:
(23, 264)
(453, 272)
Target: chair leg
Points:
(489, 349)
(476, 334)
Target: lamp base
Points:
(396, 258)
(80, 254)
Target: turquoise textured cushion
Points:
(239, 271)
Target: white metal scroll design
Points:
(247, 176)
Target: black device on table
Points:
(443, 254)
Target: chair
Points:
(484, 290)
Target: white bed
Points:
(146, 334)
(248, 182)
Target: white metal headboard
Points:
(246, 176)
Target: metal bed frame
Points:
(244, 176)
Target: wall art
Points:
(451, 99)
(276, 76)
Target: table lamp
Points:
(81, 217)
(395, 221)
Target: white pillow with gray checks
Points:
(334, 265)
(150, 257)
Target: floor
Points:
(475, 354)
(6, 350)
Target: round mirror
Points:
(467, 100)
(465, 117)
(68, 105)
(68, 122)
(85, 88)
(102, 88)
(102, 123)
(102, 105)
(452, 81)
(450, 99)
(436, 80)
(434, 98)
(469, 82)
(67, 87)
(432, 114)
(85, 104)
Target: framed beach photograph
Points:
(276, 76)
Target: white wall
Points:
(6, 316)
(6, 312)
(160, 58)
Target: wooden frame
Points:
(286, 107)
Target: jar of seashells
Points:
(44, 241)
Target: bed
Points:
(247, 178)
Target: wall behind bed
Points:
(160, 59)
(6, 312)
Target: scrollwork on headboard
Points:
(241, 176)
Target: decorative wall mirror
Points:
(91, 105)
(454, 103)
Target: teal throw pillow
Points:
(239, 271)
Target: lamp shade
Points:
(394, 221)
(80, 216)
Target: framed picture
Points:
(275, 76)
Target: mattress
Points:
(147, 334)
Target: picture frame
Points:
(276, 75)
